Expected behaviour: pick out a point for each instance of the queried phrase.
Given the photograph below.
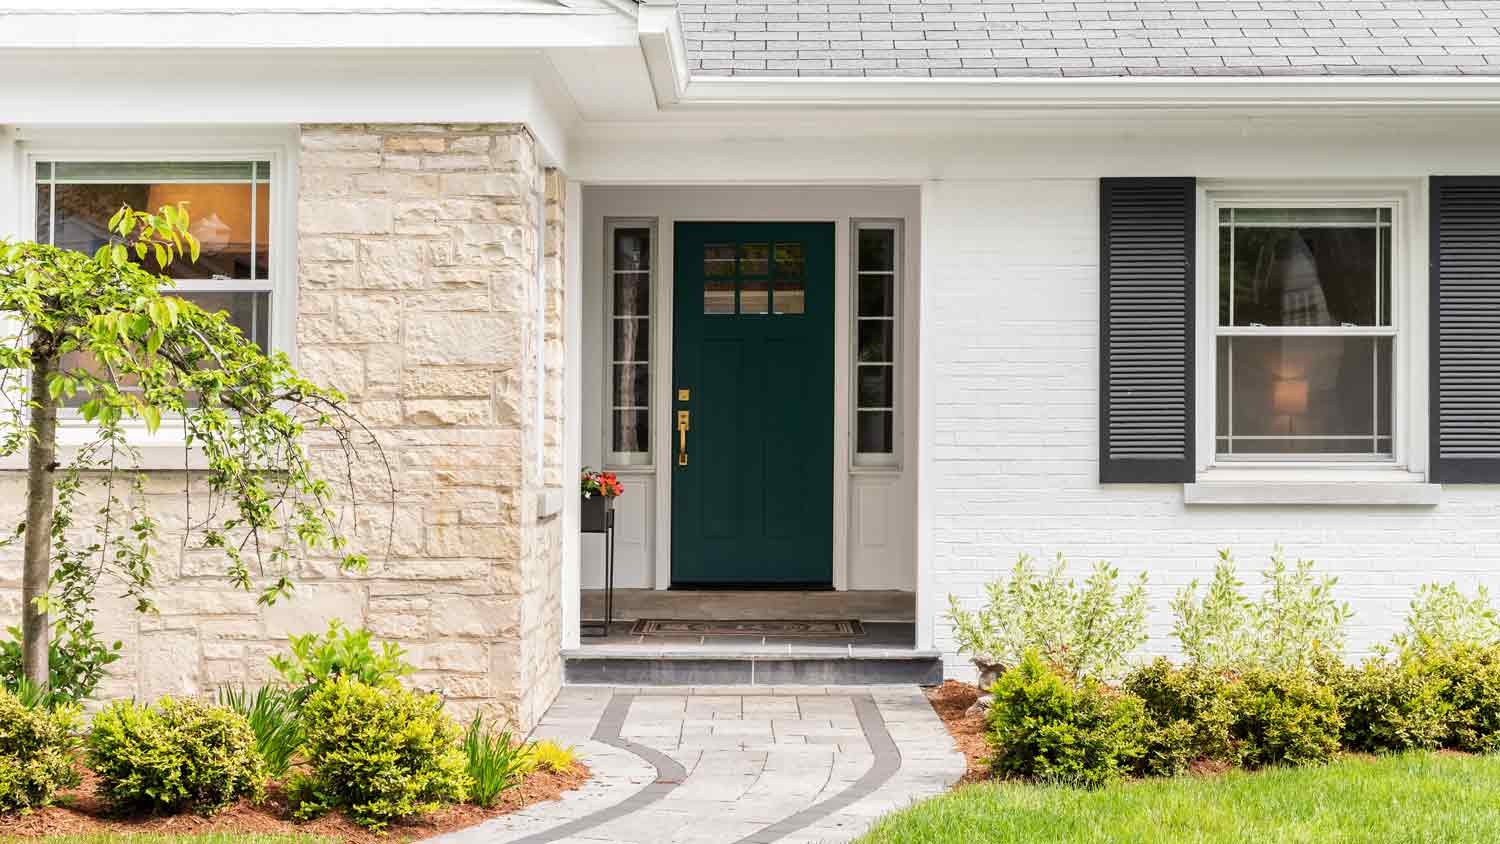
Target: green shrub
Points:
(76, 662)
(495, 761)
(37, 750)
(1086, 631)
(1282, 717)
(1045, 726)
(1441, 617)
(378, 753)
(1295, 619)
(1472, 677)
(339, 653)
(1189, 712)
(1390, 708)
(271, 713)
(175, 755)
(551, 756)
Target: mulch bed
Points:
(83, 812)
(952, 700)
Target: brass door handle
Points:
(682, 429)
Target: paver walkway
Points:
(755, 765)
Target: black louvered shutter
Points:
(1465, 334)
(1146, 279)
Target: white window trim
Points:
(1398, 481)
(628, 462)
(166, 448)
(866, 462)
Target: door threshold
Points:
(691, 586)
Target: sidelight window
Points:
(630, 261)
(876, 290)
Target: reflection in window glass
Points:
(789, 297)
(630, 345)
(789, 260)
(755, 258)
(875, 343)
(718, 260)
(755, 297)
(1305, 346)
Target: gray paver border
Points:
(669, 774)
(886, 763)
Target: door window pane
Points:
(631, 432)
(718, 297)
(877, 249)
(718, 260)
(876, 431)
(789, 260)
(755, 297)
(632, 293)
(1304, 395)
(789, 297)
(876, 341)
(876, 386)
(632, 250)
(755, 258)
(876, 294)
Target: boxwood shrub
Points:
(176, 755)
(1043, 725)
(1189, 713)
(1388, 707)
(1283, 717)
(377, 753)
(1471, 674)
(37, 750)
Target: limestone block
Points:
(383, 368)
(461, 540)
(414, 143)
(448, 412)
(510, 185)
(467, 338)
(432, 381)
(404, 264)
(320, 139)
(311, 608)
(327, 274)
(331, 366)
(466, 657)
(325, 249)
(362, 215)
(369, 319)
(170, 664)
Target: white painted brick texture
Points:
(1013, 269)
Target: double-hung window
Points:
(229, 208)
(1305, 333)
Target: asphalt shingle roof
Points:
(1108, 38)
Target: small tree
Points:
(99, 331)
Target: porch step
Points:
(587, 666)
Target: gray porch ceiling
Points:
(881, 38)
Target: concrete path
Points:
(734, 765)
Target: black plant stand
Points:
(597, 515)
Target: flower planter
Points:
(593, 516)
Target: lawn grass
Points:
(1410, 798)
(154, 838)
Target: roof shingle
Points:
(1092, 37)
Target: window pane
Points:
(789, 260)
(250, 312)
(876, 387)
(718, 260)
(1311, 276)
(631, 384)
(632, 431)
(1304, 395)
(632, 294)
(877, 295)
(755, 297)
(789, 298)
(1277, 216)
(876, 431)
(1385, 276)
(718, 297)
(632, 340)
(44, 214)
(632, 250)
(755, 258)
(877, 249)
(229, 220)
(876, 342)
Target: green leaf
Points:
(152, 415)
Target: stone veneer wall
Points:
(417, 296)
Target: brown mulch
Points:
(952, 700)
(81, 811)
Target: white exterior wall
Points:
(1012, 269)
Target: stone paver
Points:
(792, 765)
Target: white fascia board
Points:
(289, 87)
(710, 93)
(543, 27)
(665, 50)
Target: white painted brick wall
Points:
(1013, 269)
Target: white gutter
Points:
(666, 57)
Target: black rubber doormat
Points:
(834, 629)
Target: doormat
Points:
(836, 629)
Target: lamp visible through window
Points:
(1289, 399)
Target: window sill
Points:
(1363, 486)
(163, 452)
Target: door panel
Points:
(753, 348)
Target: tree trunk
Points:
(41, 471)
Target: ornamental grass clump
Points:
(377, 753)
(495, 761)
(38, 747)
(174, 756)
(1084, 630)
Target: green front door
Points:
(752, 477)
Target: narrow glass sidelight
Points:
(632, 271)
(874, 354)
